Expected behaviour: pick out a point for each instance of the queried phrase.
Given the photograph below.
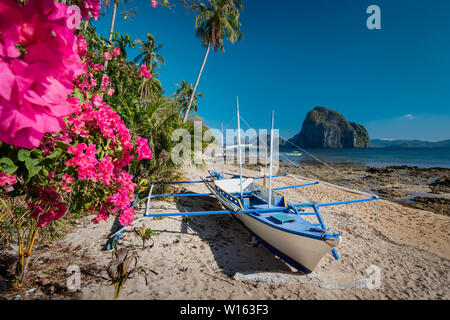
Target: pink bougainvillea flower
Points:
(89, 7)
(103, 168)
(154, 3)
(82, 45)
(67, 179)
(142, 149)
(102, 215)
(107, 56)
(144, 72)
(6, 181)
(97, 67)
(38, 61)
(116, 52)
(105, 80)
(48, 206)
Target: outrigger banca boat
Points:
(275, 222)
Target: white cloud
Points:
(433, 127)
(408, 116)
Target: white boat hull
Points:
(305, 251)
(302, 252)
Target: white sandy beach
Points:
(211, 257)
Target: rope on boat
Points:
(300, 178)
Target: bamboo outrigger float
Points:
(266, 214)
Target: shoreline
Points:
(422, 188)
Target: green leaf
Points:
(7, 166)
(79, 95)
(23, 154)
(54, 154)
(87, 205)
(37, 152)
(33, 168)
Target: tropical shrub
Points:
(64, 148)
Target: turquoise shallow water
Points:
(420, 157)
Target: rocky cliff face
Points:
(324, 128)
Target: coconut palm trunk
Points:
(186, 115)
(111, 31)
(113, 20)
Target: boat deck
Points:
(284, 220)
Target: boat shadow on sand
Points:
(233, 249)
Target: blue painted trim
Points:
(192, 182)
(182, 195)
(319, 217)
(347, 202)
(280, 210)
(277, 176)
(209, 213)
(298, 233)
(335, 254)
(195, 194)
(311, 204)
(175, 182)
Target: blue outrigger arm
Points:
(292, 206)
(312, 204)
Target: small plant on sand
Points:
(119, 269)
(145, 234)
(187, 220)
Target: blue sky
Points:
(296, 55)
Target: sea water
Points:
(375, 157)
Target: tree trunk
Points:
(111, 30)
(186, 115)
(24, 256)
(113, 20)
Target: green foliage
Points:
(183, 96)
(142, 106)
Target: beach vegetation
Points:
(183, 96)
(74, 146)
(122, 267)
(144, 233)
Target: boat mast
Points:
(265, 160)
(223, 153)
(239, 146)
(271, 161)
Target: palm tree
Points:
(216, 19)
(149, 53)
(183, 96)
(152, 60)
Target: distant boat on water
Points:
(294, 153)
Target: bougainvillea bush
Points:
(63, 148)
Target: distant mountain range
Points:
(378, 143)
(328, 129)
